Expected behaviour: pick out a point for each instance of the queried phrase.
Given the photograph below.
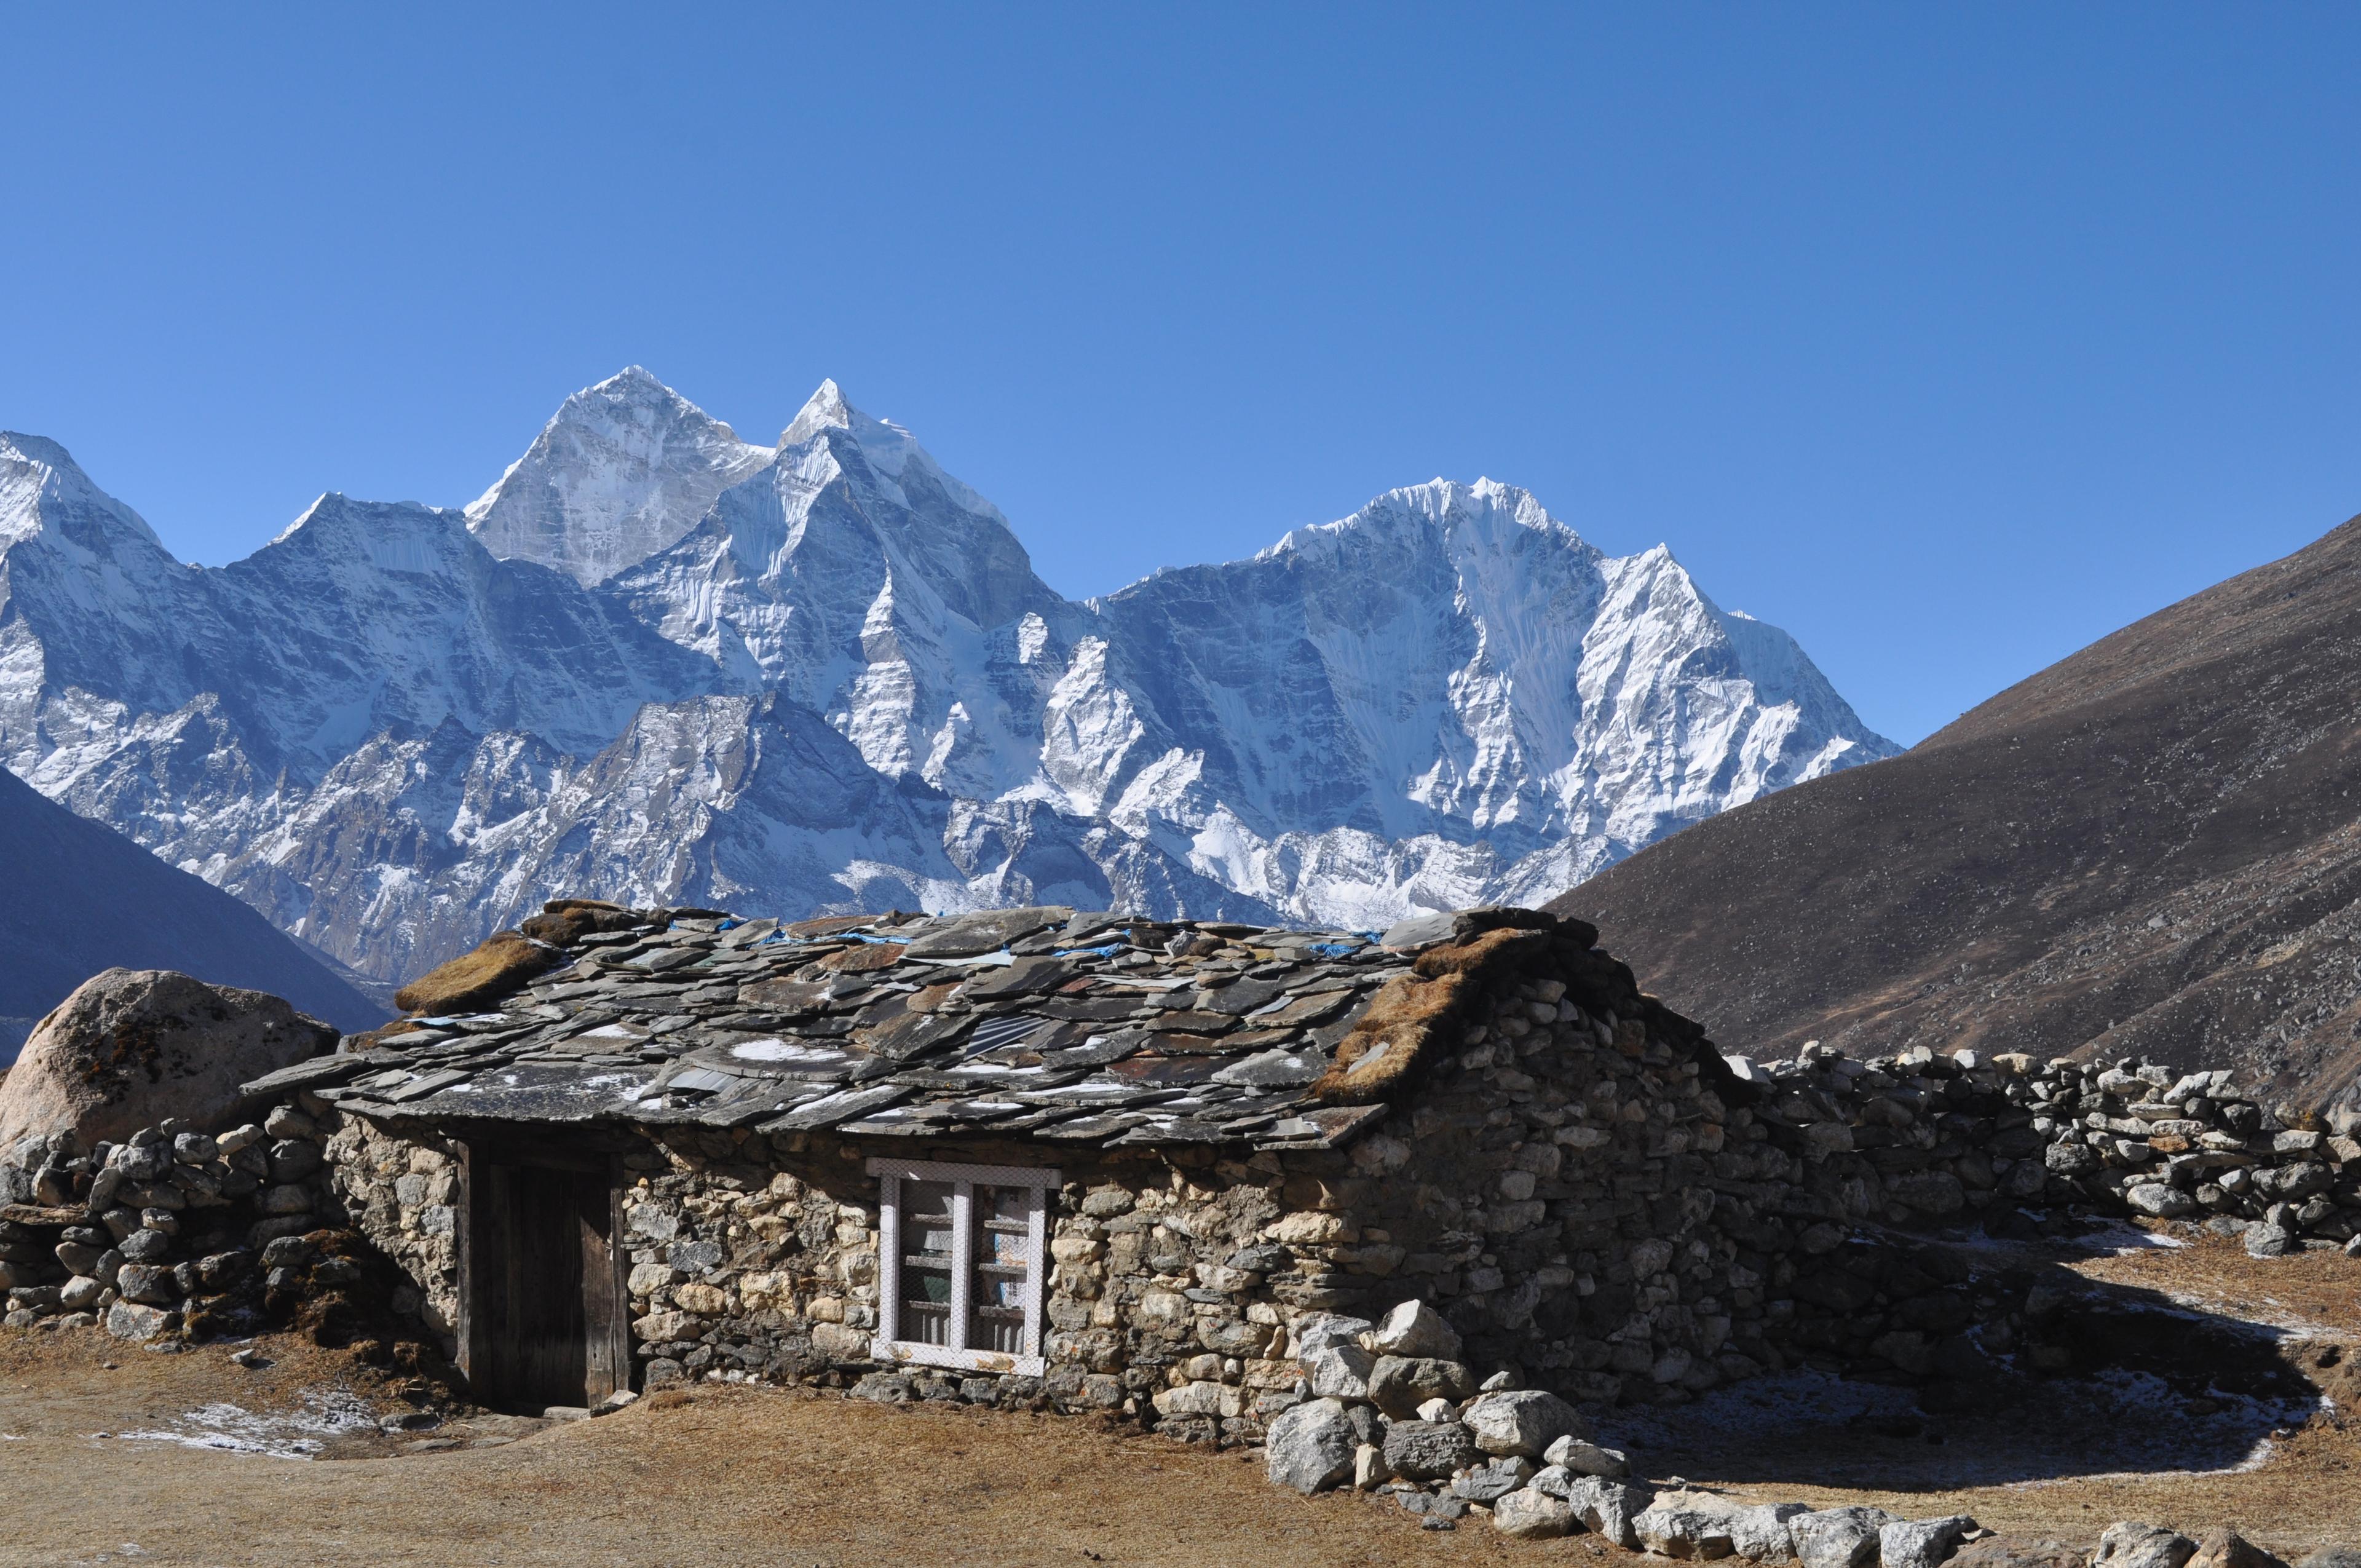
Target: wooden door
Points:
(542, 1297)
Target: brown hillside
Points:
(2153, 847)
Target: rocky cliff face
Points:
(659, 663)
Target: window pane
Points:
(927, 1262)
(1003, 1228)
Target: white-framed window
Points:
(961, 1254)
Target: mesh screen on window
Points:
(1001, 1224)
(926, 1231)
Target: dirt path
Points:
(753, 1476)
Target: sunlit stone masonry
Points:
(1230, 1182)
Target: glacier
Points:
(656, 663)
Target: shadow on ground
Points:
(2107, 1380)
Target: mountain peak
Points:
(42, 485)
(394, 533)
(1438, 508)
(824, 410)
(635, 392)
(303, 517)
(892, 453)
(621, 471)
(24, 448)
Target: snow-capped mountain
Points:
(624, 469)
(657, 663)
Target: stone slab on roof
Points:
(1032, 1024)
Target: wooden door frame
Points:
(606, 1292)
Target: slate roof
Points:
(1072, 1029)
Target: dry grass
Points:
(721, 1476)
(502, 962)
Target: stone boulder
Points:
(1311, 1446)
(1840, 1537)
(2225, 1548)
(2270, 1241)
(1415, 1328)
(2160, 1200)
(1532, 1516)
(1316, 1331)
(1340, 1372)
(1491, 1480)
(126, 1321)
(1428, 1451)
(1687, 1524)
(2131, 1545)
(1605, 1506)
(1524, 1422)
(1582, 1457)
(1398, 1385)
(131, 1048)
(1761, 1533)
(1922, 1543)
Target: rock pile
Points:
(1386, 1410)
(170, 1229)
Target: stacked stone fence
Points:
(175, 1234)
(1931, 1137)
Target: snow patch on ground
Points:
(2120, 1237)
(226, 1428)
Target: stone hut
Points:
(1109, 1161)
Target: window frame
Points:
(887, 1346)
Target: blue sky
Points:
(1950, 338)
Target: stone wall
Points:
(1592, 1209)
(1605, 1212)
(754, 1257)
(170, 1231)
(402, 1193)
